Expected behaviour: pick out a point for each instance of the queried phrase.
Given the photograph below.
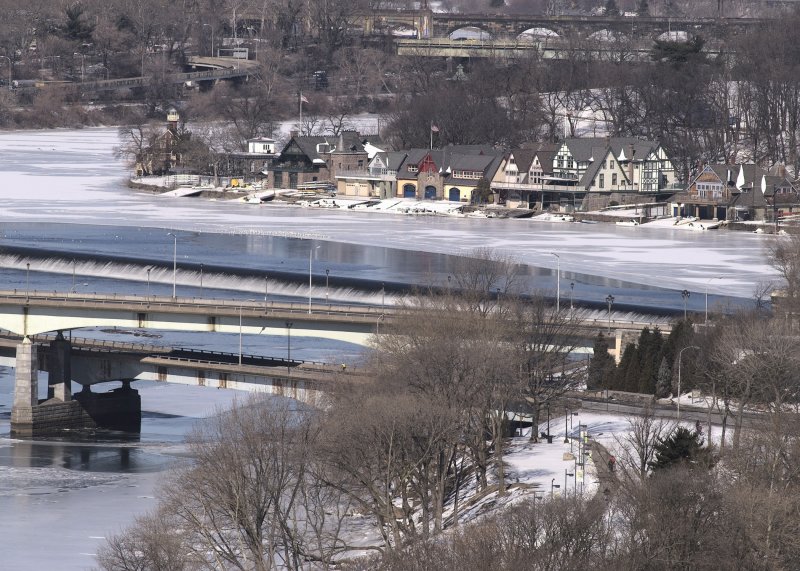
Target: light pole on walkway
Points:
(174, 263)
(558, 281)
(610, 302)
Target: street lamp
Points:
(680, 354)
(571, 291)
(148, 283)
(310, 254)
(10, 67)
(548, 422)
(685, 293)
(327, 275)
(174, 263)
(73, 276)
(240, 334)
(610, 302)
(558, 281)
(383, 298)
(201, 280)
(553, 487)
(266, 292)
(27, 279)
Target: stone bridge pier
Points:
(119, 409)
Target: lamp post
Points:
(327, 276)
(240, 334)
(310, 256)
(148, 283)
(553, 487)
(266, 292)
(610, 302)
(201, 280)
(571, 291)
(685, 294)
(73, 276)
(27, 279)
(680, 354)
(558, 281)
(383, 298)
(10, 67)
(174, 263)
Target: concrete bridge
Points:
(30, 314)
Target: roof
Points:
(624, 148)
(345, 142)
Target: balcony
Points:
(368, 174)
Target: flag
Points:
(434, 128)
(303, 99)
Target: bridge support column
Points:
(60, 373)
(26, 386)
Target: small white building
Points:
(261, 146)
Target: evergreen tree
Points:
(650, 346)
(681, 448)
(601, 365)
(664, 380)
(628, 368)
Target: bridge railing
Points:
(230, 306)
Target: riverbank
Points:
(170, 187)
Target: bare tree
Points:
(635, 448)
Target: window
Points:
(560, 162)
(413, 168)
(569, 162)
(602, 180)
(613, 179)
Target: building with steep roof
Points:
(313, 161)
(588, 173)
(736, 192)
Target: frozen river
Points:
(68, 220)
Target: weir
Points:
(120, 409)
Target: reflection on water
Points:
(82, 457)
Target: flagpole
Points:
(300, 102)
(431, 135)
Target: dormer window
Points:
(325, 148)
(413, 168)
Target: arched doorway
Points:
(430, 192)
(454, 195)
(409, 191)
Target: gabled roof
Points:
(523, 158)
(590, 148)
(740, 176)
(346, 142)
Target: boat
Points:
(627, 223)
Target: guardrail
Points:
(179, 304)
